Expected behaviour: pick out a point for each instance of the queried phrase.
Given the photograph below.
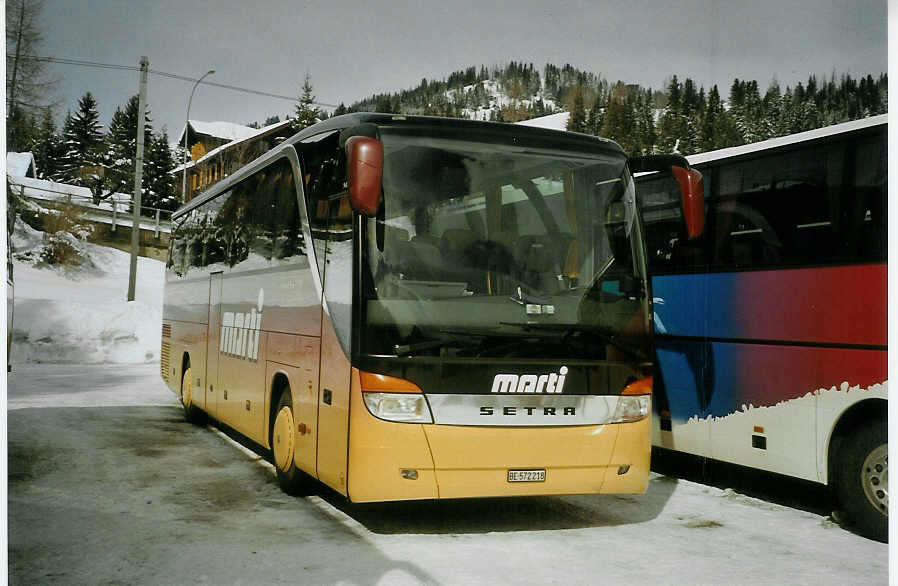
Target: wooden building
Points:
(217, 149)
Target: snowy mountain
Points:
(679, 117)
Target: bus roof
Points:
(566, 139)
(783, 141)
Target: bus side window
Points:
(864, 203)
(776, 210)
(284, 224)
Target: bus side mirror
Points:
(692, 188)
(692, 197)
(365, 158)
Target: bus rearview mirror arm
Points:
(692, 188)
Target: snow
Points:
(552, 121)
(81, 315)
(225, 130)
(18, 164)
(52, 191)
(678, 532)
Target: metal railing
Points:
(118, 207)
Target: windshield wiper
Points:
(456, 341)
(603, 333)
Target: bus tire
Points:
(191, 412)
(862, 480)
(291, 479)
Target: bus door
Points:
(685, 364)
(207, 400)
(335, 371)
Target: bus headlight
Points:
(399, 407)
(631, 408)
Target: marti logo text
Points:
(530, 383)
(240, 332)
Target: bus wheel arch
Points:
(282, 437)
(858, 467)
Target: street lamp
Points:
(186, 125)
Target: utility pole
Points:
(138, 176)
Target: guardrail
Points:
(116, 209)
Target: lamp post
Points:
(186, 125)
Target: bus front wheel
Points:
(283, 445)
(862, 480)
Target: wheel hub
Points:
(283, 438)
(187, 392)
(875, 478)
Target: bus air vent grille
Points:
(166, 330)
(164, 360)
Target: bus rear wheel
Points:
(862, 481)
(291, 479)
(191, 412)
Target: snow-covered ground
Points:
(107, 484)
(81, 315)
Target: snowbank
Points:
(81, 314)
(19, 164)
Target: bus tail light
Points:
(634, 402)
(394, 399)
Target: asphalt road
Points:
(108, 485)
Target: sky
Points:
(353, 49)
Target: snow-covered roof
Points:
(552, 121)
(19, 164)
(215, 151)
(223, 130)
(787, 140)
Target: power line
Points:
(97, 65)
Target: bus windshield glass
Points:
(485, 248)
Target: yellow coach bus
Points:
(420, 308)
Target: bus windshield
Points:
(490, 249)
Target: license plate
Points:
(526, 475)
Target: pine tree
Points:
(577, 120)
(120, 155)
(717, 129)
(709, 121)
(48, 149)
(160, 189)
(645, 123)
(83, 142)
(306, 114)
(672, 127)
(595, 116)
(620, 119)
(771, 110)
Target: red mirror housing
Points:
(365, 158)
(692, 197)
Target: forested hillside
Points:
(679, 116)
